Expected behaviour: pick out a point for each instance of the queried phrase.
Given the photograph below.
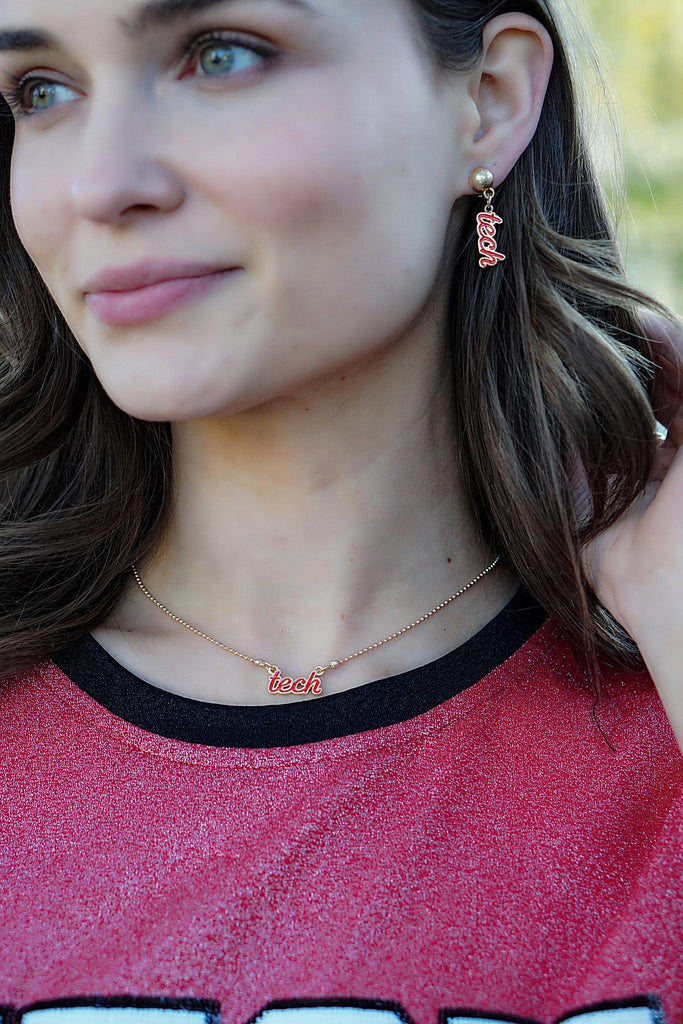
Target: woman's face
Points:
(264, 184)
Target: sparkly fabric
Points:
(498, 854)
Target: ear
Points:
(508, 89)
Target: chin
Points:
(165, 401)
(147, 400)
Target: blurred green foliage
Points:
(641, 45)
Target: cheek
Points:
(288, 178)
(38, 191)
(338, 200)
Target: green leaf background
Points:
(640, 46)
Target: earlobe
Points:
(508, 89)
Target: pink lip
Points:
(142, 292)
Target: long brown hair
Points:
(550, 385)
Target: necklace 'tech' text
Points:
(313, 682)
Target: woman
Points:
(286, 423)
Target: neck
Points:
(319, 524)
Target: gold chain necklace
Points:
(312, 683)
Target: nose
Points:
(121, 171)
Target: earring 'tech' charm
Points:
(481, 180)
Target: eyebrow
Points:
(26, 39)
(152, 15)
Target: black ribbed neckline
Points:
(370, 706)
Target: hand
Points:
(667, 351)
(637, 565)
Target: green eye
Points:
(222, 58)
(45, 95)
(217, 59)
(41, 96)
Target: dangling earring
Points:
(481, 180)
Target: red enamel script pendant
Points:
(280, 684)
(486, 231)
(481, 181)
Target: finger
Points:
(674, 426)
(670, 488)
(664, 460)
(666, 332)
(666, 337)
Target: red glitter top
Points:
(497, 855)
